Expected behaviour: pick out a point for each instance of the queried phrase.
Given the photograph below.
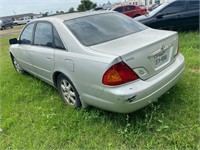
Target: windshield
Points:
(96, 29)
(157, 9)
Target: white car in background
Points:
(21, 21)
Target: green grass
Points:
(34, 117)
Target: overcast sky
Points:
(11, 7)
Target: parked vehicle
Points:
(131, 10)
(5, 23)
(22, 21)
(174, 15)
(103, 58)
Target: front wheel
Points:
(17, 66)
(68, 92)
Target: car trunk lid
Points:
(146, 52)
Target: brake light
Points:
(118, 74)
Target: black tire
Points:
(137, 15)
(68, 92)
(16, 65)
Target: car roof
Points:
(69, 16)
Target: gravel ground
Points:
(10, 31)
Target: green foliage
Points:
(34, 117)
(86, 5)
(45, 14)
(71, 10)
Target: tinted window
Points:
(58, 42)
(120, 9)
(43, 34)
(95, 29)
(193, 5)
(129, 8)
(26, 35)
(175, 7)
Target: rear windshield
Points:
(96, 29)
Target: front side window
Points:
(43, 34)
(26, 36)
(129, 8)
(175, 7)
(96, 29)
(119, 9)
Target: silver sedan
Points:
(102, 59)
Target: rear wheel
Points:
(17, 66)
(68, 92)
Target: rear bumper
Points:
(138, 94)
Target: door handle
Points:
(49, 58)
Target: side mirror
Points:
(159, 15)
(13, 41)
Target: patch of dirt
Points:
(194, 70)
(11, 31)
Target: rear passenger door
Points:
(42, 51)
(130, 11)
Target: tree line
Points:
(84, 6)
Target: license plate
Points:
(160, 58)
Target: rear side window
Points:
(129, 8)
(26, 35)
(120, 9)
(43, 34)
(175, 7)
(193, 5)
(58, 42)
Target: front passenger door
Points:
(24, 48)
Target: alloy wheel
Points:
(68, 92)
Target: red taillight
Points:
(118, 74)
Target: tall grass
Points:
(34, 117)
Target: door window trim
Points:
(59, 38)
